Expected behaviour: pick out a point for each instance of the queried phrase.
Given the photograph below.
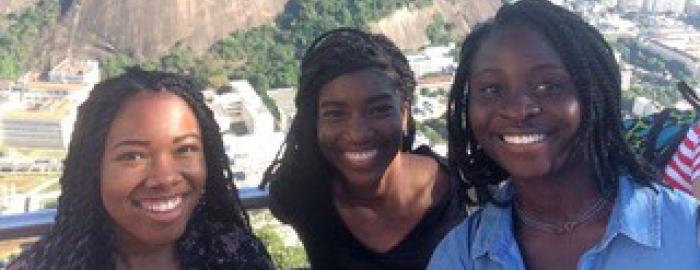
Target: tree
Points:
(116, 64)
(439, 31)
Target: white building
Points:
(250, 155)
(430, 100)
(679, 43)
(643, 106)
(692, 8)
(615, 26)
(433, 60)
(45, 126)
(242, 111)
(284, 99)
(664, 6)
(630, 5)
(76, 72)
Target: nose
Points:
(162, 172)
(519, 104)
(358, 130)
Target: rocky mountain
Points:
(12, 6)
(407, 26)
(149, 29)
(143, 29)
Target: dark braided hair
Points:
(300, 172)
(83, 235)
(595, 73)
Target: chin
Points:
(166, 236)
(525, 171)
(365, 179)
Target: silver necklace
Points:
(566, 226)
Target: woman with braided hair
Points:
(535, 127)
(347, 180)
(146, 185)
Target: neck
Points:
(137, 255)
(384, 191)
(558, 197)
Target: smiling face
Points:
(523, 107)
(153, 169)
(361, 119)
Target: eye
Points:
(489, 90)
(332, 114)
(547, 88)
(382, 109)
(130, 156)
(187, 149)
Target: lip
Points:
(164, 209)
(522, 141)
(360, 158)
(523, 138)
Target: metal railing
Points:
(35, 223)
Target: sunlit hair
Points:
(83, 234)
(594, 72)
(300, 172)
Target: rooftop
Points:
(53, 112)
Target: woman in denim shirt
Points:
(535, 127)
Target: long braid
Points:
(595, 74)
(82, 236)
(299, 163)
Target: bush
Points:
(284, 257)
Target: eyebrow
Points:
(378, 97)
(189, 135)
(135, 142)
(371, 99)
(533, 68)
(131, 142)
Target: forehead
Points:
(514, 46)
(151, 112)
(359, 85)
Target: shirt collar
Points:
(495, 231)
(635, 215)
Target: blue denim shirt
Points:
(647, 230)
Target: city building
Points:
(433, 60)
(47, 125)
(614, 26)
(664, 6)
(430, 101)
(692, 8)
(676, 43)
(284, 99)
(242, 111)
(74, 71)
(630, 5)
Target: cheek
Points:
(195, 170)
(477, 119)
(116, 184)
(325, 137)
(572, 109)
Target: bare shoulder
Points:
(427, 173)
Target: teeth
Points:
(163, 205)
(523, 139)
(361, 156)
